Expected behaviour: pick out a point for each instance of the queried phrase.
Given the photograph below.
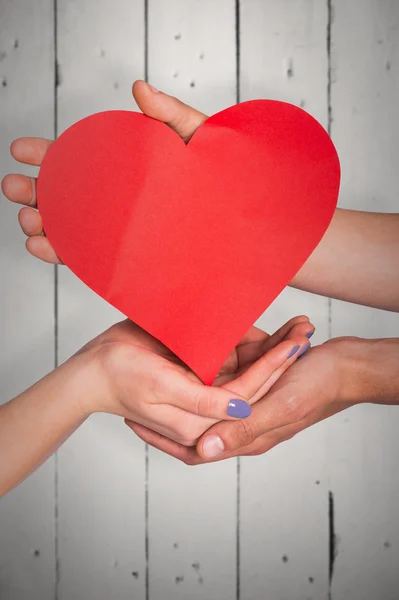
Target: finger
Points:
(286, 329)
(30, 150)
(264, 389)
(257, 379)
(179, 116)
(256, 343)
(262, 444)
(19, 189)
(301, 329)
(211, 402)
(190, 456)
(40, 247)
(279, 409)
(250, 347)
(160, 442)
(253, 335)
(30, 221)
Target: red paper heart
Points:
(192, 242)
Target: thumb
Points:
(179, 116)
(211, 402)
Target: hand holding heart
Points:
(317, 386)
(136, 377)
(191, 242)
(23, 190)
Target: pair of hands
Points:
(162, 401)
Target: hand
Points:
(138, 378)
(184, 120)
(321, 383)
(22, 190)
(126, 372)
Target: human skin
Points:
(331, 377)
(357, 261)
(358, 247)
(127, 372)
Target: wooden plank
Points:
(27, 565)
(284, 494)
(192, 512)
(101, 470)
(363, 441)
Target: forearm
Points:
(357, 260)
(34, 424)
(370, 370)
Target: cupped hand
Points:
(139, 379)
(315, 387)
(31, 151)
(153, 372)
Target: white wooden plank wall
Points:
(27, 558)
(363, 444)
(198, 67)
(101, 470)
(107, 517)
(284, 494)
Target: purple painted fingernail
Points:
(304, 349)
(309, 335)
(239, 409)
(293, 351)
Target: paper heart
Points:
(192, 242)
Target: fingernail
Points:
(212, 446)
(309, 335)
(304, 349)
(293, 351)
(238, 409)
(152, 88)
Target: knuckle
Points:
(245, 433)
(203, 403)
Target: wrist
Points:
(368, 370)
(86, 382)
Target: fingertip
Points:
(301, 344)
(18, 149)
(153, 103)
(15, 147)
(238, 409)
(304, 349)
(40, 247)
(4, 184)
(139, 87)
(30, 150)
(210, 446)
(30, 221)
(282, 352)
(293, 351)
(298, 320)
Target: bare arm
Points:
(126, 372)
(35, 423)
(330, 378)
(357, 260)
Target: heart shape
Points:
(192, 242)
